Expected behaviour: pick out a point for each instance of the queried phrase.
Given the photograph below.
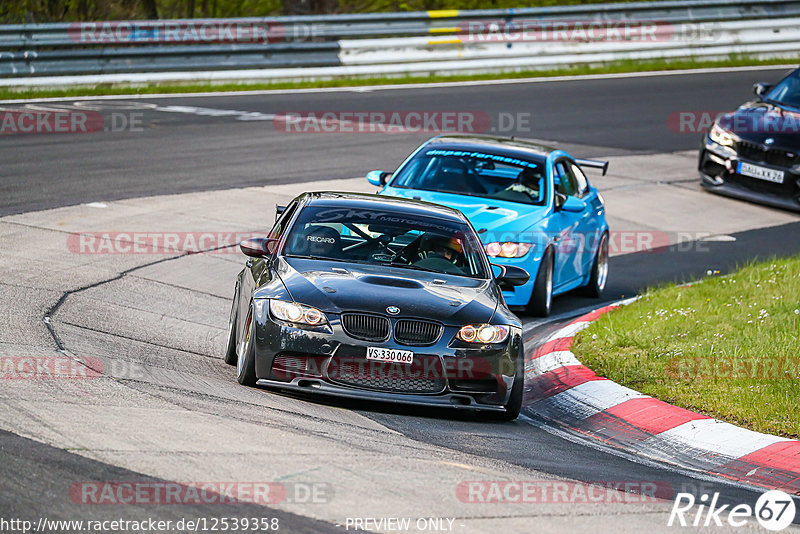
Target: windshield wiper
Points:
(321, 258)
(781, 105)
(416, 268)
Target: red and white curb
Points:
(559, 388)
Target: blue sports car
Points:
(531, 205)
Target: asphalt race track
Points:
(185, 151)
(173, 412)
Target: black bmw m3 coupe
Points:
(379, 298)
(753, 153)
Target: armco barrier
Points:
(395, 43)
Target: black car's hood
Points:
(335, 287)
(757, 122)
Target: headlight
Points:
(483, 333)
(507, 249)
(291, 312)
(721, 136)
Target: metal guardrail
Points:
(391, 42)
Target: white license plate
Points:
(390, 355)
(762, 173)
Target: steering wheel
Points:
(435, 263)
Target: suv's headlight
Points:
(483, 333)
(721, 136)
(291, 312)
(507, 250)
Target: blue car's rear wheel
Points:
(542, 297)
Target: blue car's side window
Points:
(565, 181)
(581, 183)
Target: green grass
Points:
(728, 346)
(610, 68)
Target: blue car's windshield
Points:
(473, 173)
(787, 93)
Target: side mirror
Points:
(573, 205)
(511, 275)
(761, 89)
(378, 178)
(258, 247)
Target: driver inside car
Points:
(435, 251)
(529, 181)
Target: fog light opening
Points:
(459, 400)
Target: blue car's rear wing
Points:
(594, 164)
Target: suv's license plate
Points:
(390, 355)
(762, 173)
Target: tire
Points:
(599, 276)
(246, 362)
(542, 297)
(230, 347)
(514, 404)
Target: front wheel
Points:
(542, 297)
(246, 362)
(514, 404)
(599, 276)
(230, 347)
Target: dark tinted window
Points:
(280, 225)
(787, 92)
(473, 173)
(341, 233)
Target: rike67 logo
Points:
(774, 510)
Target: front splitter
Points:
(447, 400)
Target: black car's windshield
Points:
(787, 92)
(386, 237)
(475, 173)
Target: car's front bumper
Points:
(521, 295)
(446, 374)
(716, 169)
